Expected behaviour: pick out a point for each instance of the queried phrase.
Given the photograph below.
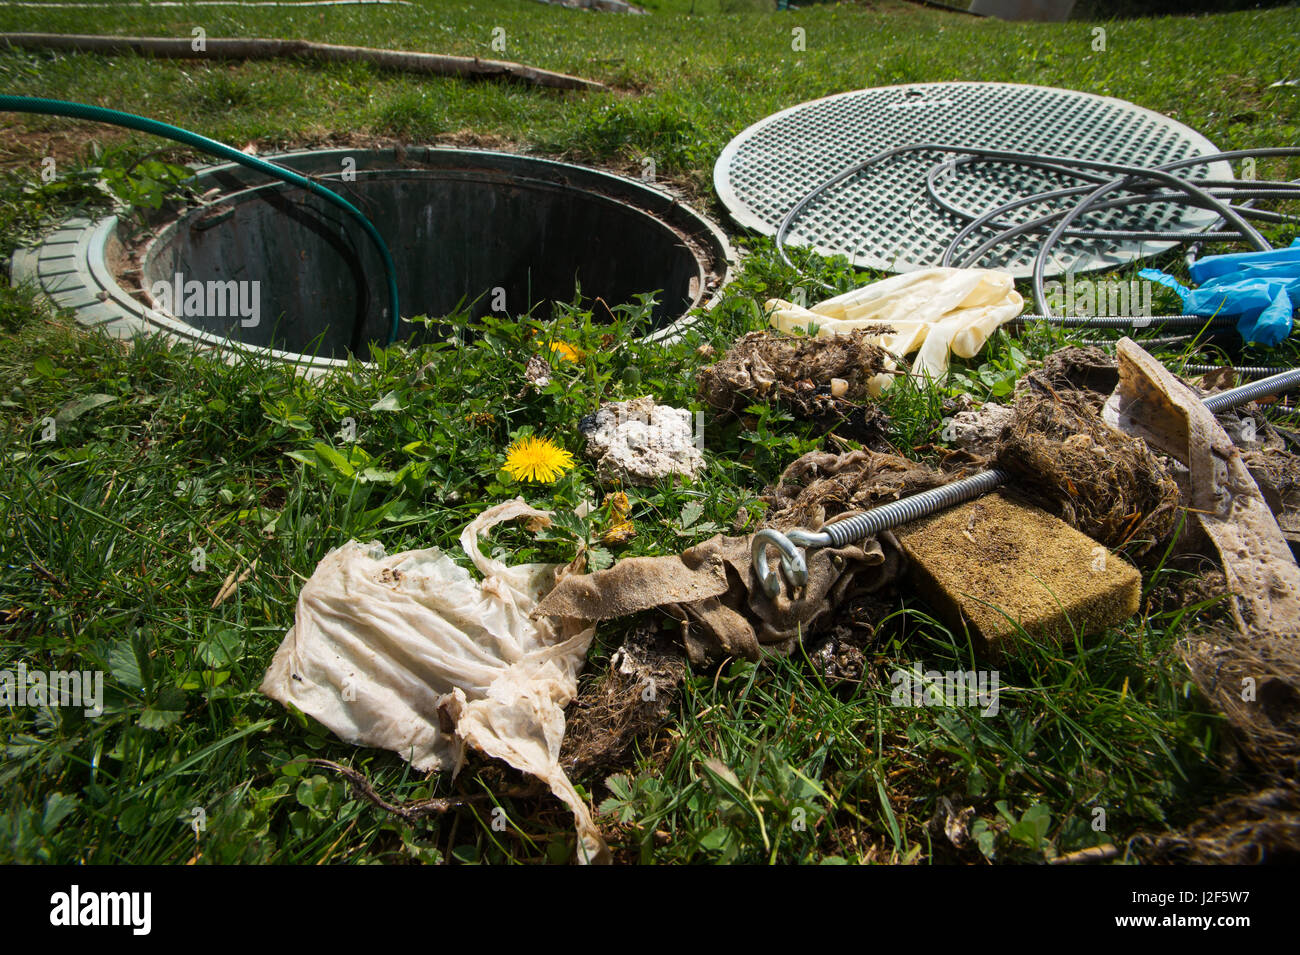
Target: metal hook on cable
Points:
(793, 564)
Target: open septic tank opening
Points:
(265, 264)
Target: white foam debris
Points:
(640, 442)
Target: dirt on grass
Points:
(24, 147)
(632, 699)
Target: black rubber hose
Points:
(1012, 157)
(1040, 260)
(1062, 193)
(986, 220)
(1068, 216)
(1268, 189)
(1063, 165)
(1122, 321)
(1043, 224)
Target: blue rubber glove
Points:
(1260, 288)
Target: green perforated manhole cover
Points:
(889, 217)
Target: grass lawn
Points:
(160, 451)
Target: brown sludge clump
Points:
(1105, 483)
(822, 380)
(797, 371)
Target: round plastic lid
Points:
(884, 218)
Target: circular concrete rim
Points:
(741, 213)
(71, 266)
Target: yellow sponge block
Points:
(997, 567)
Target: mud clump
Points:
(1207, 591)
(839, 652)
(1090, 369)
(640, 442)
(979, 431)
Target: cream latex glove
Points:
(934, 310)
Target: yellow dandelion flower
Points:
(620, 533)
(619, 506)
(566, 351)
(537, 459)
(621, 529)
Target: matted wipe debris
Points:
(713, 590)
(980, 430)
(1261, 572)
(712, 587)
(634, 697)
(1252, 675)
(1262, 827)
(409, 653)
(821, 485)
